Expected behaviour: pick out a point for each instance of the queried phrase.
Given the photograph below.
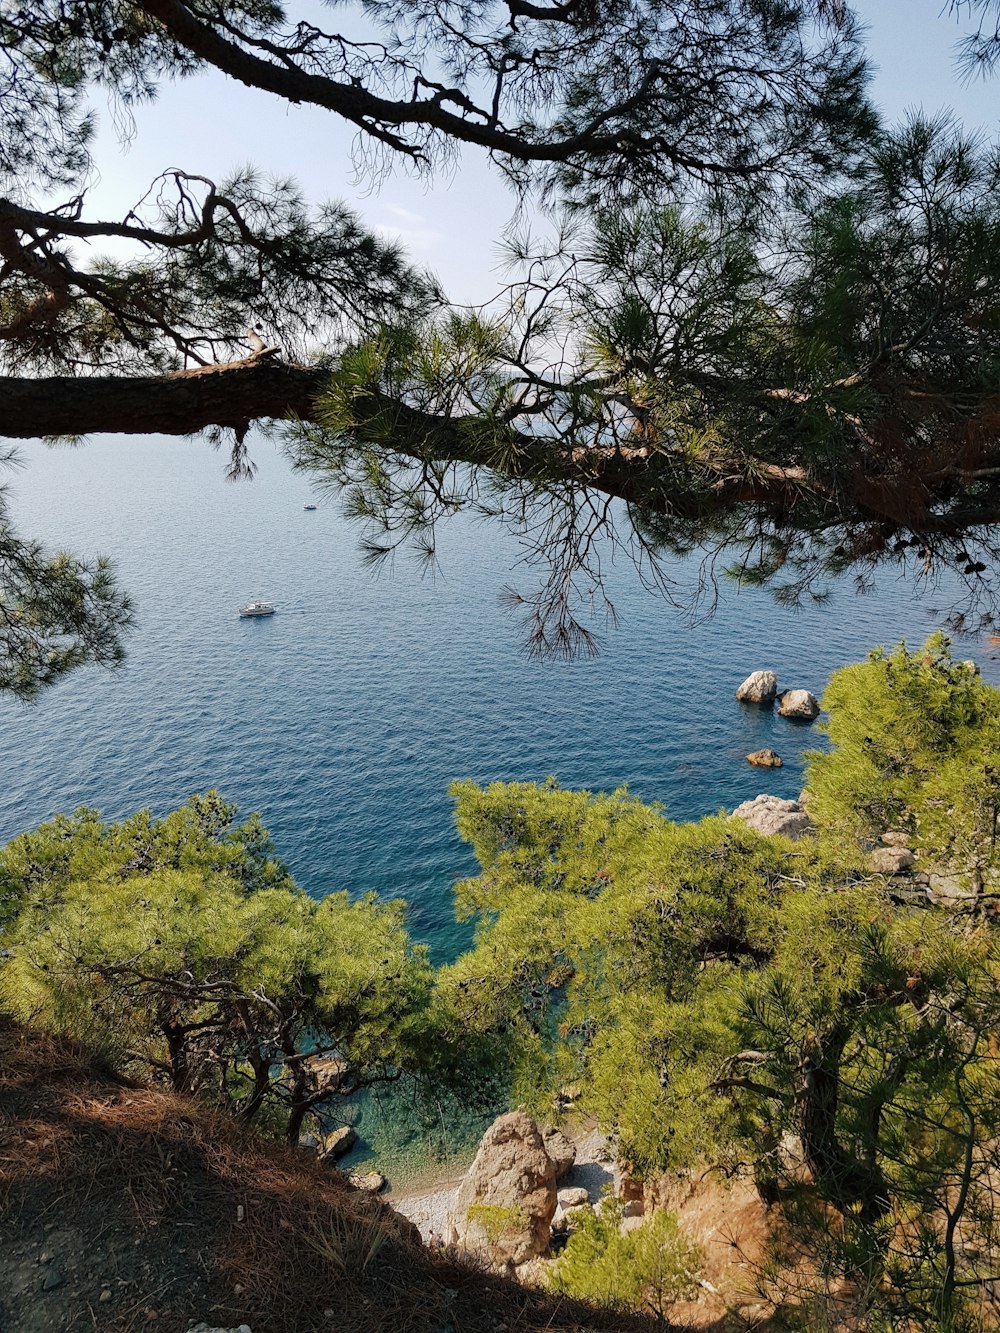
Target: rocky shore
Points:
(429, 1202)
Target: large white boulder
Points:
(503, 1211)
(773, 814)
(760, 687)
(799, 704)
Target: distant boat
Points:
(258, 607)
(308, 506)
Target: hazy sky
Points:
(210, 125)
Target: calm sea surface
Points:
(344, 717)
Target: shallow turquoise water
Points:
(345, 716)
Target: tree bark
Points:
(845, 1180)
(179, 404)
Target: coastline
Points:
(426, 1199)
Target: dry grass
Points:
(181, 1215)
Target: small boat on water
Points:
(258, 607)
(308, 506)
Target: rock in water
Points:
(339, 1141)
(764, 759)
(504, 1206)
(771, 814)
(800, 704)
(895, 838)
(760, 687)
(560, 1148)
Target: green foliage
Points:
(596, 919)
(916, 739)
(181, 946)
(646, 1269)
(740, 405)
(496, 1222)
(201, 836)
(729, 1000)
(56, 613)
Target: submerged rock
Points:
(894, 838)
(799, 704)
(772, 814)
(505, 1204)
(339, 1141)
(764, 759)
(760, 687)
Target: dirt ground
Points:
(123, 1208)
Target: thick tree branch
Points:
(256, 389)
(381, 117)
(179, 404)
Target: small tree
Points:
(915, 744)
(184, 951)
(645, 1269)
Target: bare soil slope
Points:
(124, 1208)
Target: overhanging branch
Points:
(180, 404)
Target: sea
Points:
(343, 718)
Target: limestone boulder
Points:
(503, 1211)
(764, 759)
(560, 1148)
(339, 1141)
(799, 704)
(772, 814)
(572, 1197)
(760, 687)
(372, 1182)
(892, 860)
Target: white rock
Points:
(504, 1206)
(560, 1148)
(799, 704)
(573, 1197)
(370, 1181)
(891, 860)
(772, 814)
(760, 687)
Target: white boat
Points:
(308, 506)
(258, 607)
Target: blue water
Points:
(344, 717)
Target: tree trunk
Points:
(844, 1179)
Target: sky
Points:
(452, 224)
